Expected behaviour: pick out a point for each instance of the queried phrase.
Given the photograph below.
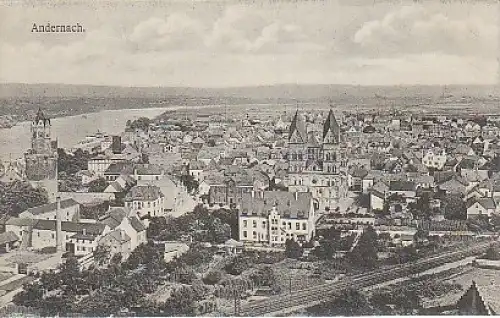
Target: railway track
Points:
(315, 294)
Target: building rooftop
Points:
(51, 207)
(289, 205)
(144, 193)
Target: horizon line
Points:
(253, 86)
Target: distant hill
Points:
(285, 91)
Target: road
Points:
(315, 294)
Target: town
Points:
(280, 210)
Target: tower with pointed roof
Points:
(41, 159)
(297, 139)
(314, 161)
(331, 141)
(40, 133)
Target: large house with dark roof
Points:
(70, 211)
(272, 217)
(145, 200)
(315, 161)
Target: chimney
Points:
(59, 245)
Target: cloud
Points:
(243, 45)
(417, 29)
(178, 32)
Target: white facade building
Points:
(272, 217)
(434, 158)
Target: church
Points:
(316, 162)
(41, 158)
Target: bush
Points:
(293, 249)
(212, 277)
(238, 265)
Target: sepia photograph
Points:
(258, 158)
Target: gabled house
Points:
(481, 207)
(272, 217)
(117, 169)
(148, 171)
(145, 200)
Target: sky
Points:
(230, 44)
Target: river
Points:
(72, 129)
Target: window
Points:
(304, 226)
(245, 223)
(264, 224)
(297, 226)
(254, 223)
(289, 225)
(53, 236)
(254, 234)
(244, 233)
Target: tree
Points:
(212, 277)
(189, 182)
(407, 254)
(69, 183)
(142, 123)
(98, 185)
(332, 234)
(293, 249)
(264, 277)
(182, 301)
(102, 254)
(492, 254)
(238, 265)
(69, 164)
(421, 209)
(156, 226)
(230, 217)
(325, 250)
(69, 274)
(349, 303)
(454, 207)
(364, 254)
(30, 296)
(19, 196)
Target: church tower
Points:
(40, 134)
(41, 159)
(297, 139)
(331, 141)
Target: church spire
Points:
(40, 116)
(331, 126)
(298, 128)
